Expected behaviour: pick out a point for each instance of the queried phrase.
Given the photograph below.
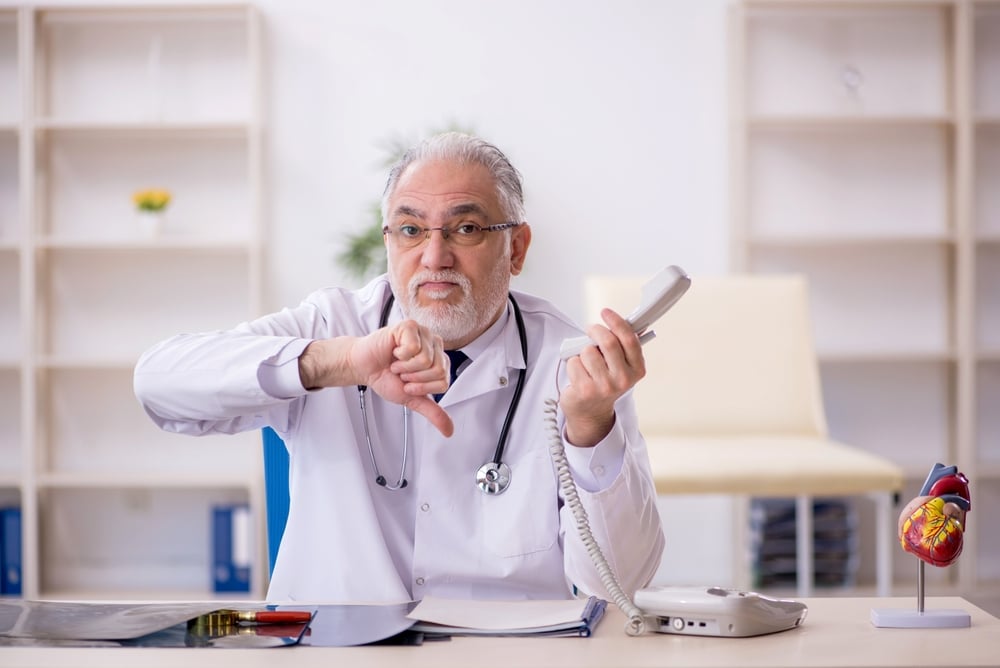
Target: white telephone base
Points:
(715, 611)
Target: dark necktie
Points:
(457, 358)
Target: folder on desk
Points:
(573, 617)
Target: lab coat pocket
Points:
(524, 519)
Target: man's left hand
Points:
(598, 377)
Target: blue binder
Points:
(231, 548)
(10, 551)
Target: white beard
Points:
(455, 322)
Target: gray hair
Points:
(464, 149)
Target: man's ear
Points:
(520, 239)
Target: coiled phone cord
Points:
(636, 624)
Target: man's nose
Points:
(437, 250)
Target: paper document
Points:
(125, 624)
(575, 617)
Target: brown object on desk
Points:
(225, 624)
(224, 620)
(268, 616)
(259, 616)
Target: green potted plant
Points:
(364, 253)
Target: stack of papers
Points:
(127, 624)
(575, 617)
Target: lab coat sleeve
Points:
(623, 515)
(230, 380)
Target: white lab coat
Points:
(348, 539)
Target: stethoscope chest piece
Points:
(493, 478)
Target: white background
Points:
(614, 112)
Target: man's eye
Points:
(467, 229)
(409, 231)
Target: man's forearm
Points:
(325, 363)
(588, 432)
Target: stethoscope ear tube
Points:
(379, 478)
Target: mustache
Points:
(446, 276)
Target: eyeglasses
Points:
(409, 235)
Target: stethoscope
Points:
(493, 477)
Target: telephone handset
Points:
(705, 611)
(655, 299)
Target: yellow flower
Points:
(152, 199)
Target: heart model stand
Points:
(931, 527)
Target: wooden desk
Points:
(837, 632)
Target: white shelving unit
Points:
(106, 101)
(985, 278)
(866, 156)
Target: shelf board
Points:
(165, 243)
(8, 127)
(237, 128)
(857, 5)
(988, 470)
(8, 246)
(886, 357)
(64, 362)
(792, 121)
(988, 355)
(112, 480)
(146, 14)
(10, 480)
(829, 241)
(991, 120)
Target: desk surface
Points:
(837, 632)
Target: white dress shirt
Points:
(350, 540)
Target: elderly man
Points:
(414, 409)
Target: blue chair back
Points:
(275, 491)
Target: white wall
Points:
(614, 111)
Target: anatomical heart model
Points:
(932, 528)
(932, 525)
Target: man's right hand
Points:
(403, 363)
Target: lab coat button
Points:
(420, 582)
(425, 507)
(598, 470)
(503, 381)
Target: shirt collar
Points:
(482, 342)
